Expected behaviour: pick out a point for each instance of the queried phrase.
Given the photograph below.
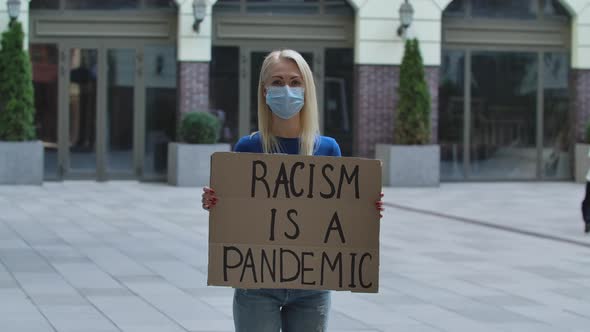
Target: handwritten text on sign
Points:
(285, 221)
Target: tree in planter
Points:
(17, 110)
(200, 128)
(412, 123)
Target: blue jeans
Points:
(292, 310)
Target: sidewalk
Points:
(124, 256)
(546, 209)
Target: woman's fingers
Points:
(379, 206)
(208, 198)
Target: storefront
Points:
(105, 86)
(504, 98)
(508, 79)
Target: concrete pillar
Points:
(378, 54)
(194, 55)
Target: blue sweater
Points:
(325, 146)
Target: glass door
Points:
(99, 114)
(503, 115)
(82, 100)
(120, 105)
(45, 69)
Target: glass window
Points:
(554, 8)
(455, 8)
(224, 81)
(505, 8)
(82, 100)
(451, 106)
(159, 4)
(44, 4)
(556, 131)
(102, 4)
(283, 6)
(44, 59)
(160, 107)
(338, 104)
(227, 6)
(120, 109)
(338, 7)
(503, 115)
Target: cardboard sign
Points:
(299, 222)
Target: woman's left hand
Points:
(379, 205)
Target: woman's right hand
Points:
(209, 199)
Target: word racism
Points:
(260, 170)
(304, 228)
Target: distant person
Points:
(586, 204)
(287, 123)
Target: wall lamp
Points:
(13, 7)
(199, 12)
(406, 16)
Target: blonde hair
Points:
(308, 115)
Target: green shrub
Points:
(200, 128)
(412, 123)
(17, 107)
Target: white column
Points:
(376, 39)
(193, 46)
(580, 12)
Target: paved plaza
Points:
(132, 257)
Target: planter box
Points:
(21, 162)
(582, 162)
(410, 165)
(189, 164)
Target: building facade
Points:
(509, 80)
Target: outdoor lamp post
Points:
(406, 15)
(13, 9)
(199, 12)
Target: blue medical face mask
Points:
(285, 101)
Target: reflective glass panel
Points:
(455, 8)
(289, 7)
(82, 99)
(503, 115)
(338, 104)
(102, 4)
(160, 107)
(227, 6)
(451, 106)
(224, 90)
(45, 62)
(338, 7)
(159, 4)
(557, 131)
(44, 4)
(505, 8)
(553, 8)
(120, 106)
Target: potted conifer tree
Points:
(411, 161)
(189, 162)
(21, 155)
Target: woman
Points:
(586, 203)
(288, 123)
